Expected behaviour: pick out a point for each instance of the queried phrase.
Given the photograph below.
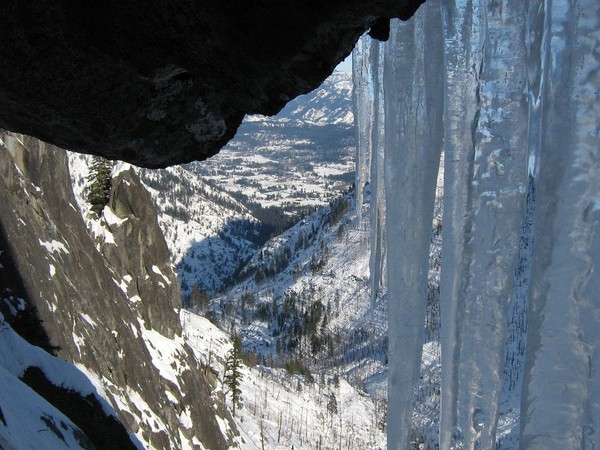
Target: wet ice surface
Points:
(520, 96)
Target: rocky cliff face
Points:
(137, 249)
(159, 83)
(108, 298)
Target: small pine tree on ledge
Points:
(233, 376)
(99, 184)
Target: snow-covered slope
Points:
(27, 420)
(209, 234)
(281, 411)
(303, 303)
(331, 103)
(323, 259)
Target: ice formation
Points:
(370, 117)
(508, 90)
(364, 110)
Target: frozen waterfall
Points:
(369, 117)
(509, 91)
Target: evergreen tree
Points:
(233, 376)
(198, 298)
(99, 184)
(332, 405)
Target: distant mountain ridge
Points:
(330, 103)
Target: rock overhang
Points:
(160, 83)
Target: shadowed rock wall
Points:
(109, 304)
(159, 83)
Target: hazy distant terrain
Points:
(302, 158)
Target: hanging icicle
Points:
(413, 68)
(520, 98)
(486, 156)
(377, 257)
(561, 388)
(362, 77)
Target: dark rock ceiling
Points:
(158, 82)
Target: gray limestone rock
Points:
(107, 304)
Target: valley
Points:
(294, 162)
(289, 292)
(269, 246)
(290, 278)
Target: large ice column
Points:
(462, 54)
(367, 73)
(378, 209)
(561, 393)
(413, 71)
(362, 77)
(486, 184)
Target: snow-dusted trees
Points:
(198, 298)
(99, 184)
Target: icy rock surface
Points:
(520, 116)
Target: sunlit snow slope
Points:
(303, 303)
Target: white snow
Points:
(124, 283)
(288, 410)
(89, 320)
(157, 271)
(120, 167)
(54, 246)
(111, 218)
(164, 352)
(28, 419)
(100, 232)
(17, 355)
